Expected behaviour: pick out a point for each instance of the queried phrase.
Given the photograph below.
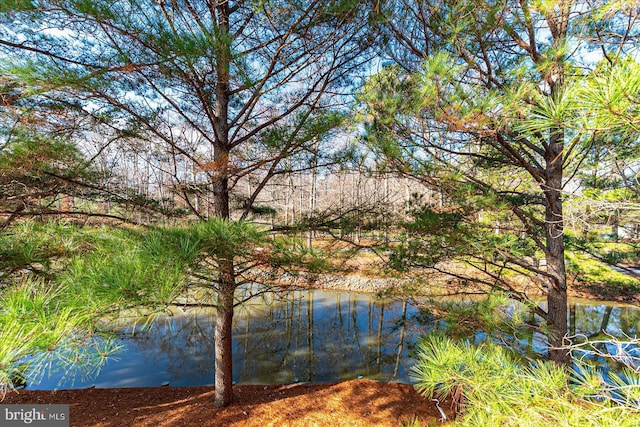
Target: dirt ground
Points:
(350, 403)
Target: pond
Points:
(302, 336)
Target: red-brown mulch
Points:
(350, 403)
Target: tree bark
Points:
(554, 229)
(223, 336)
(220, 182)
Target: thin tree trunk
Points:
(605, 319)
(379, 338)
(403, 326)
(310, 337)
(313, 190)
(388, 208)
(572, 319)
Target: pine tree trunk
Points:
(554, 229)
(557, 311)
(223, 336)
(220, 180)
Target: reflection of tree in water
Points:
(308, 336)
(323, 336)
(630, 322)
(183, 345)
(596, 320)
(601, 322)
(319, 337)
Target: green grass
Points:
(595, 274)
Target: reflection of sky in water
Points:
(309, 336)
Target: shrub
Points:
(491, 387)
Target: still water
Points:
(302, 336)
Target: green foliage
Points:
(37, 166)
(95, 275)
(427, 221)
(609, 252)
(152, 269)
(304, 131)
(119, 272)
(32, 155)
(263, 210)
(430, 236)
(7, 6)
(620, 253)
(225, 239)
(43, 318)
(41, 322)
(385, 97)
(434, 235)
(37, 78)
(497, 245)
(492, 387)
(495, 314)
(411, 422)
(601, 107)
(38, 248)
(611, 193)
(610, 98)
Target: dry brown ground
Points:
(350, 403)
(368, 265)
